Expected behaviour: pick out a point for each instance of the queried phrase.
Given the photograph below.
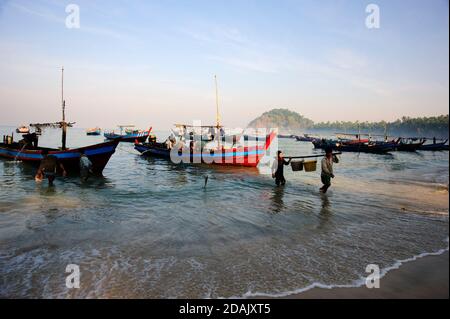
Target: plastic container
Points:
(310, 166)
(297, 166)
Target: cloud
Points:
(231, 47)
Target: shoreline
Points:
(425, 277)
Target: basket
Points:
(310, 166)
(297, 166)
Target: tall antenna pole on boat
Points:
(63, 104)
(217, 112)
(217, 103)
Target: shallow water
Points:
(148, 228)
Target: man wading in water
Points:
(48, 168)
(278, 169)
(327, 169)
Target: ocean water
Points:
(149, 229)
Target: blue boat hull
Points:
(98, 154)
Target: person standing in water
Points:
(278, 169)
(48, 168)
(327, 169)
(85, 166)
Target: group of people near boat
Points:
(50, 165)
(326, 169)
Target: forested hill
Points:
(292, 122)
(284, 119)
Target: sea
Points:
(150, 228)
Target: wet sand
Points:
(426, 277)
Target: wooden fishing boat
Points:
(209, 144)
(98, 154)
(438, 146)
(305, 138)
(362, 147)
(408, 144)
(28, 151)
(248, 156)
(286, 136)
(94, 131)
(130, 135)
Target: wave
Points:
(355, 284)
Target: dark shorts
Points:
(49, 174)
(326, 179)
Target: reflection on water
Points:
(277, 198)
(150, 228)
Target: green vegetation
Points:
(291, 122)
(284, 119)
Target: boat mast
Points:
(63, 104)
(217, 112)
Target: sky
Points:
(152, 63)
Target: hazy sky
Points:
(153, 62)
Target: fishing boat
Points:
(435, 146)
(208, 152)
(408, 144)
(27, 150)
(286, 136)
(94, 131)
(98, 154)
(23, 129)
(209, 144)
(128, 134)
(305, 138)
(354, 146)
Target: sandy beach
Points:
(427, 277)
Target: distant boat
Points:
(286, 136)
(28, 151)
(23, 129)
(359, 146)
(131, 135)
(94, 131)
(408, 144)
(435, 146)
(304, 138)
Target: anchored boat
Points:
(217, 152)
(27, 150)
(408, 144)
(305, 138)
(209, 144)
(128, 134)
(435, 146)
(346, 143)
(94, 131)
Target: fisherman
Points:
(327, 169)
(278, 169)
(85, 166)
(30, 140)
(48, 167)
